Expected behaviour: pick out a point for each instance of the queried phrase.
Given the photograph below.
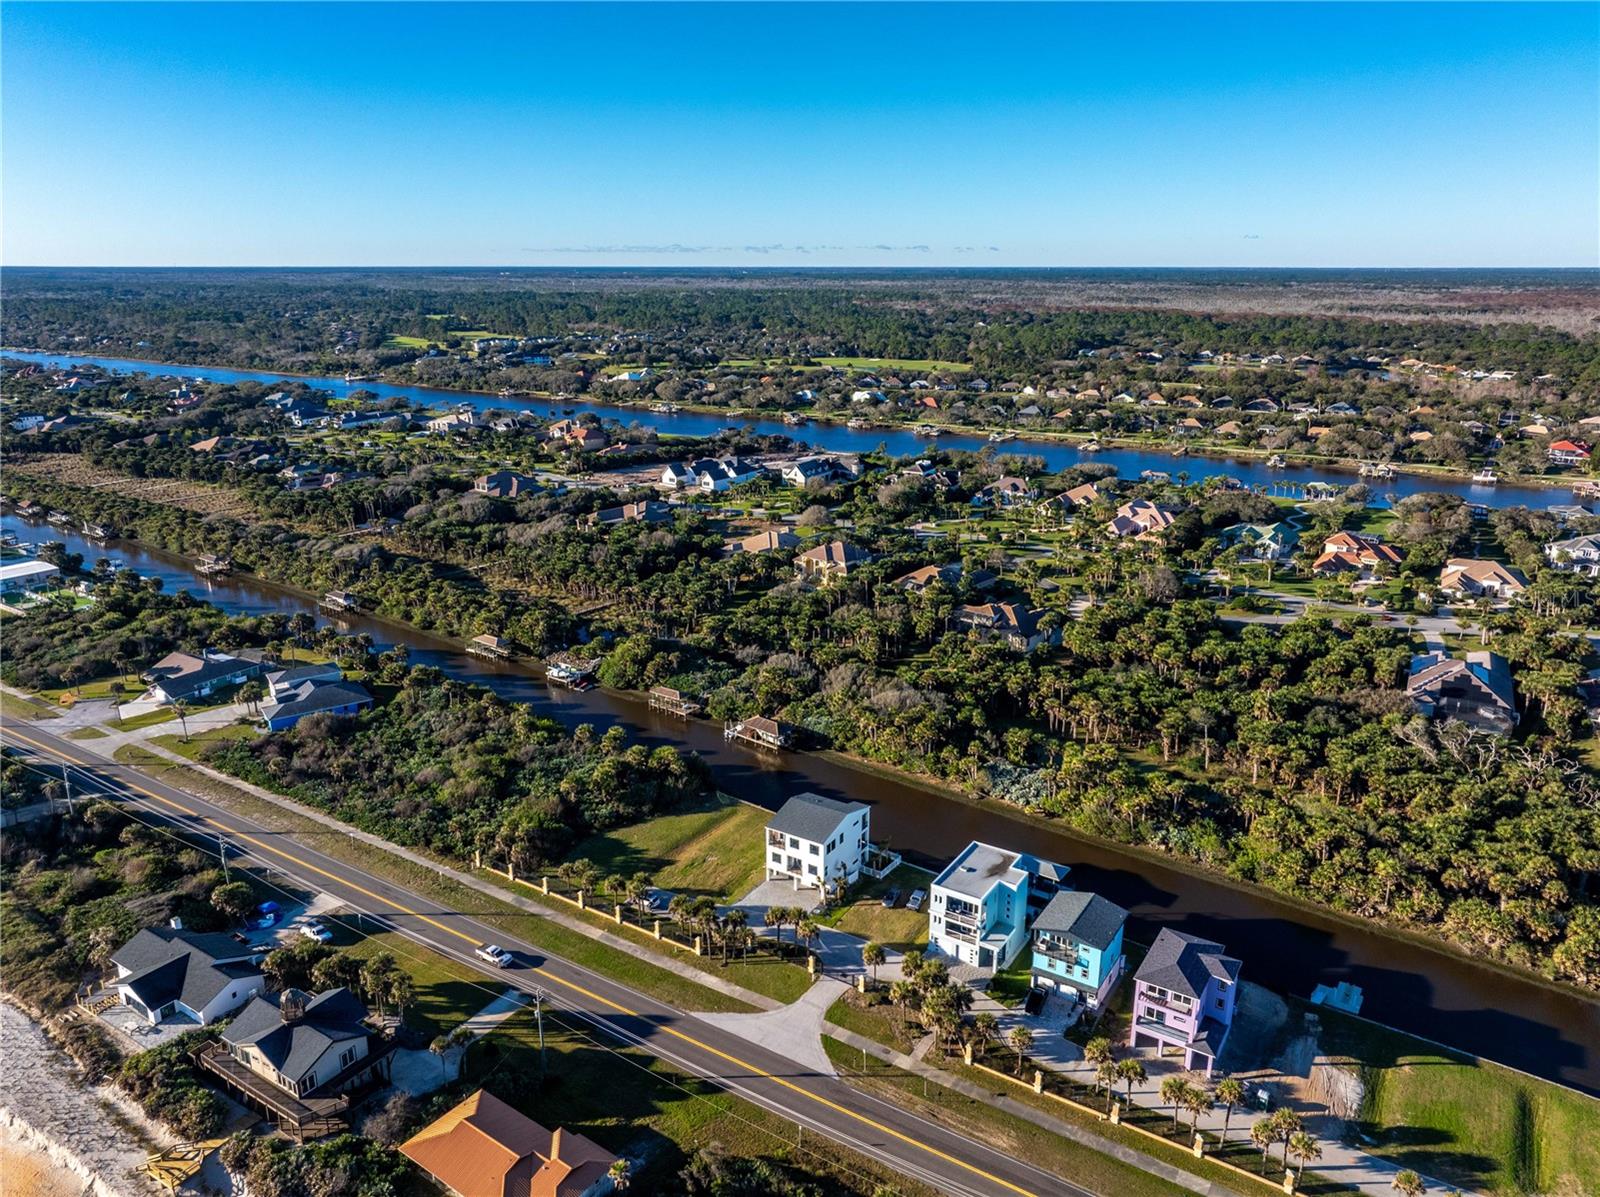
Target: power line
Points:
(541, 996)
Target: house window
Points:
(777, 858)
(347, 1057)
(815, 850)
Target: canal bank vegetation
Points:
(1287, 757)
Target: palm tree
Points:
(1304, 1148)
(1407, 1183)
(985, 1025)
(1174, 1089)
(1197, 1101)
(732, 928)
(1230, 1092)
(1097, 1051)
(807, 931)
(181, 709)
(1106, 1075)
(1263, 1136)
(621, 1176)
(900, 994)
(1021, 1039)
(872, 955)
(1286, 1124)
(1131, 1072)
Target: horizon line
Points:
(754, 266)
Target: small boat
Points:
(359, 377)
(1276, 462)
(96, 531)
(506, 392)
(665, 409)
(1089, 447)
(214, 566)
(1154, 476)
(1376, 469)
(793, 419)
(1485, 477)
(858, 422)
(927, 430)
(60, 519)
(996, 438)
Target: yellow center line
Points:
(576, 988)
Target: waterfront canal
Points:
(1285, 946)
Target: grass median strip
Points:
(650, 979)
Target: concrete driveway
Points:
(837, 952)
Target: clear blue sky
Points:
(833, 134)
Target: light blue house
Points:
(1077, 946)
(980, 907)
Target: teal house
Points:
(1077, 946)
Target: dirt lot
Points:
(72, 470)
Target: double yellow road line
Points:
(573, 986)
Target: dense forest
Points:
(307, 320)
(1288, 757)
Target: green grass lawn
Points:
(897, 363)
(148, 719)
(194, 747)
(19, 709)
(89, 732)
(448, 993)
(863, 913)
(713, 850)
(771, 976)
(1010, 986)
(1482, 1126)
(878, 1020)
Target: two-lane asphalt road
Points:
(904, 1141)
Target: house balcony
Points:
(301, 1118)
(1184, 1008)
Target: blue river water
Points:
(1057, 455)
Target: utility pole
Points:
(539, 997)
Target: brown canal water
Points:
(1287, 947)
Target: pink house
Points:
(1183, 998)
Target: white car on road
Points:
(493, 953)
(313, 929)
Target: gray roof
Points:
(812, 817)
(1185, 963)
(309, 697)
(296, 674)
(293, 1048)
(165, 965)
(980, 867)
(1087, 918)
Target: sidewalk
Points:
(107, 745)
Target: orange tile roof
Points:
(484, 1148)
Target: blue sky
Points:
(832, 134)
